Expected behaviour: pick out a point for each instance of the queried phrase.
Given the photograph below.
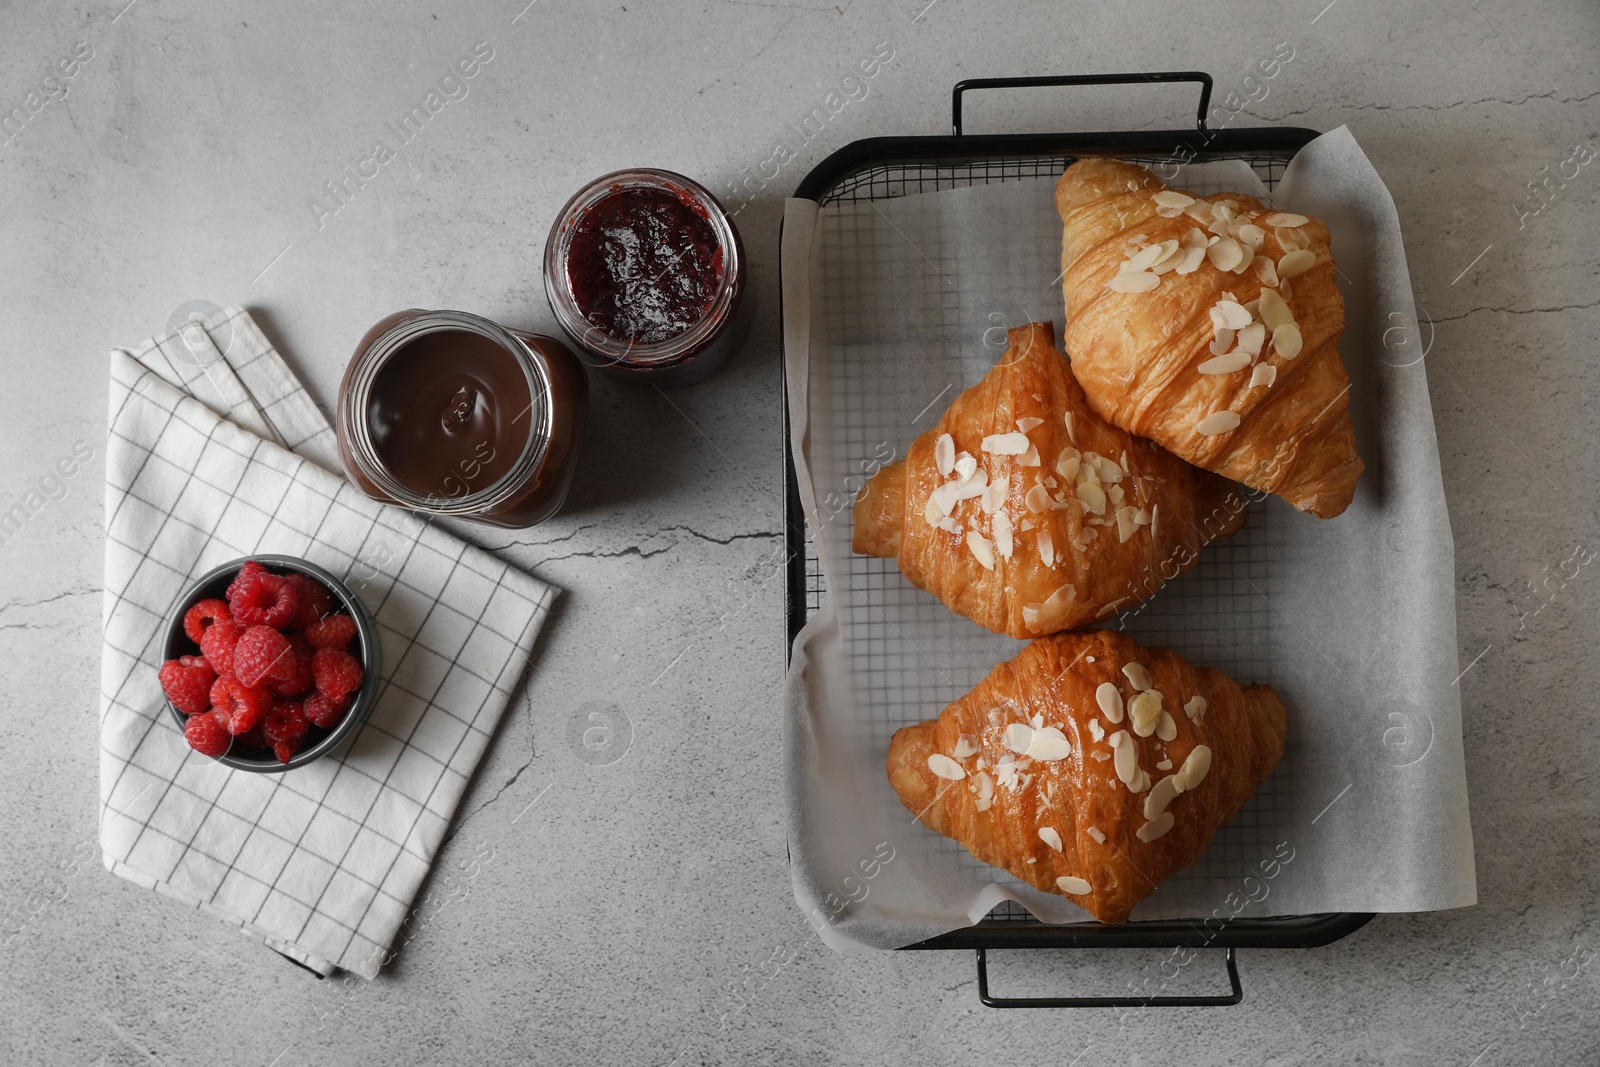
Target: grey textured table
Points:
(638, 911)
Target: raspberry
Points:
(263, 600)
(187, 683)
(325, 711)
(218, 644)
(252, 738)
(206, 735)
(238, 706)
(203, 615)
(333, 631)
(262, 652)
(314, 600)
(250, 567)
(285, 729)
(337, 673)
(299, 679)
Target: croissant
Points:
(1028, 514)
(1090, 766)
(1211, 326)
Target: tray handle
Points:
(1233, 997)
(1199, 76)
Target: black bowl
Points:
(320, 742)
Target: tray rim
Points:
(1298, 931)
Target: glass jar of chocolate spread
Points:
(645, 272)
(450, 413)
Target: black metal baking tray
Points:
(884, 167)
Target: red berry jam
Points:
(644, 265)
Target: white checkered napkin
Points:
(322, 861)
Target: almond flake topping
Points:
(1221, 340)
(1252, 235)
(1286, 219)
(1006, 444)
(1049, 745)
(1264, 374)
(985, 790)
(1068, 883)
(1100, 754)
(1286, 340)
(1155, 828)
(1252, 337)
(1274, 309)
(1172, 198)
(1047, 547)
(994, 497)
(1296, 263)
(1228, 314)
(1238, 359)
(1067, 418)
(1030, 458)
(1068, 462)
(1002, 534)
(1037, 500)
(1266, 270)
(945, 767)
(1162, 793)
(1164, 765)
(1097, 731)
(1167, 727)
(1050, 837)
(1110, 701)
(981, 549)
(1194, 768)
(1226, 254)
(1218, 422)
(1094, 832)
(1144, 711)
(944, 454)
(1141, 282)
(966, 746)
(932, 513)
(1017, 736)
(1138, 675)
(1092, 497)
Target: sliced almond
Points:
(1155, 515)
(1093, 497)
(1296, 263)
(966, 465)
(1030, 458)
(1167, 727)
(1232, 314)
(1017, 736)
(1173, 198)
(994, 497)
(1264, 374)
(1109, 470)
(1029, 423)
(1037, 500)
(1225, 254)
(1291, 238)
(1141, 282)
(1002, 535)
(981, 549)
(1138, 675)
(1218, 422)
(1192, 258)
(1006, 444)
(1266, 270)
(949, 525)
(1110, 700)
(966, 746)
(1143, 259)
(1050, 837)
(1155, 828)
(1127, 525)
(1194, 768)
(1100, 754)
(985, 790)
(1274, 309)
(1171, 260)
(1067, 462)
(1126, 757)
(1068, 883)
(1286, 219)
(1161, 794)
(1252, 235)
(1286, 340)
(932, 512)
(1200, 211)
(1049, 745)
(945, 767)
(1235, 360)
(1144, 711)
(944, 454)
(1164, 765)
(1251, 338)
(1097, 731)
(1222, 340)
(1246, 256)
(1047, 547)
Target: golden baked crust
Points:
(1085, 568)
(1099, 822)
(1138, 354)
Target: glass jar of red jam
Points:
(645, 272)
(449, 413)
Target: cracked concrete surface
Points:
(638, 911)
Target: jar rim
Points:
(356, 402)
(595, 341)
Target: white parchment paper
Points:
(891, 308)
